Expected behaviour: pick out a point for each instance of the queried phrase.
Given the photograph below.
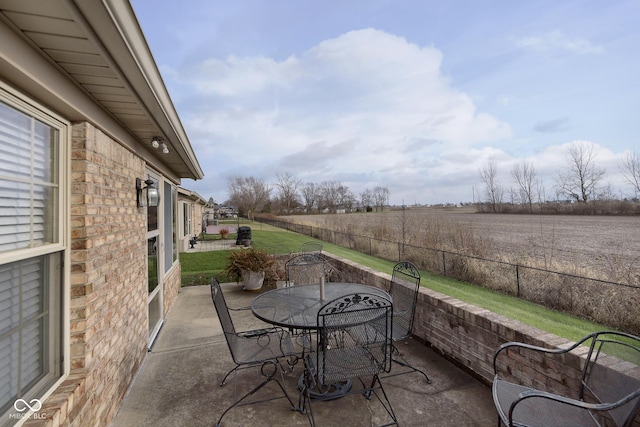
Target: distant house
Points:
(92, 154)
(191, 217)
(226, 212)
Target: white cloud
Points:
(365, 106)
(419, 110)
(235, 76)
(557, 40)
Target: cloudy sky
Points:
(416, 95)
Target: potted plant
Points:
(252, 267)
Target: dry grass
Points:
(476, 249)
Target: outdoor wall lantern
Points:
(147, 195)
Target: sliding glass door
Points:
(154, 251)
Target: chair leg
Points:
(291, 362)
(306, 407)
(405, 364)
(229, 373)
(408, 365)
(268, 378)
(387, 406)
(304, 399)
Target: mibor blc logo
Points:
(23, 407)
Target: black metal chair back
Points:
(259, 347)
(311, 247)
(603, 382)
(253, 346)
(405, 282)
(354, 338)
(306, 269)
(608, 392)
(225, 318)
(354, 342)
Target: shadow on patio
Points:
(178, 382)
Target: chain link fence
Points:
(608, 303)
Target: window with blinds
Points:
(30, 254)
(28, 181)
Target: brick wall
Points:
(469, 335)
(108, 310)
(171, 287)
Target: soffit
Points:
(99, 46)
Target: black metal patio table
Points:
(297, 307)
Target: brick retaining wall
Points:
(470, 335)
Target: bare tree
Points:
(631, 170)
(365, 199)
(515, 196)
(525, 175)
(288, 186)
(329, 196)
(494, 191)
(540, 192)
(380, 197)
(346, 198)
(310, 194)
(248, 194)
(580, 181)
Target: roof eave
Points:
(115, 27)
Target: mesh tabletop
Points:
(297, 306)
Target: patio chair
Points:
(606, 393)
(354, 342)
(405, 282)
(306, 269)
(255, 348)
(311, 247)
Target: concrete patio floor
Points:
(178, 384)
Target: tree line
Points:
(581, 182)
(289, 194)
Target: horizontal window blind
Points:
(30, 281)
(28, 186)
(23, 312)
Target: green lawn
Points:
(199, 267)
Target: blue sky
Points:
(412, 95)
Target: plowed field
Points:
(605, 247)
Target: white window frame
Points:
(187, 227)
(56, 342)
(170, 226)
